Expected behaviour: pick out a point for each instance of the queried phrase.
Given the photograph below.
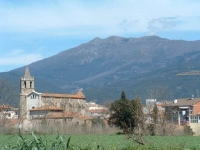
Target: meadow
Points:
(95, 142)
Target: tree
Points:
(121, 115)
(138, 115)
(154, 117)
(128, 116)
(7, 97)
(123, 96)
(97, 121)
(155, 114)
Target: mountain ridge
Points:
(109, 63)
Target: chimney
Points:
(175, 101)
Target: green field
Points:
(108, 142)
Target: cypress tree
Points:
(123, 95)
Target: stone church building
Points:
(52, 106)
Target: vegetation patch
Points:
(96, 142)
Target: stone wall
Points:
(68, 104)
(62, 125)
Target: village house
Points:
(8, 112)
(184, 110)
(96, 110)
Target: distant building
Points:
(8, 112)
(150, 102)
(96, 110)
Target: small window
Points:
(25, 84)
(34, 96)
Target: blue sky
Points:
(34, 30)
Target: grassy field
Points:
(106, 142)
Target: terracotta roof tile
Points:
(82, 117)
(46, 107)
(13, 121)
(6, 106)
(59, 115)
(78, 95)
(97, 110)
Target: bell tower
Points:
(26, 87)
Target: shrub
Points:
(187, 130)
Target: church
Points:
(52, 106)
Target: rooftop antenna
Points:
(192, 95)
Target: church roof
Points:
(59, 115)
(46, 107)
(78, 95)
(27, 73)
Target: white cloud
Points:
(15, 52)
(22, 59)
(97, 17)
(165, 23)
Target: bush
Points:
(187, 130)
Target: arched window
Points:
(25, 84)
(31, 84)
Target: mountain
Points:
(104, 67)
